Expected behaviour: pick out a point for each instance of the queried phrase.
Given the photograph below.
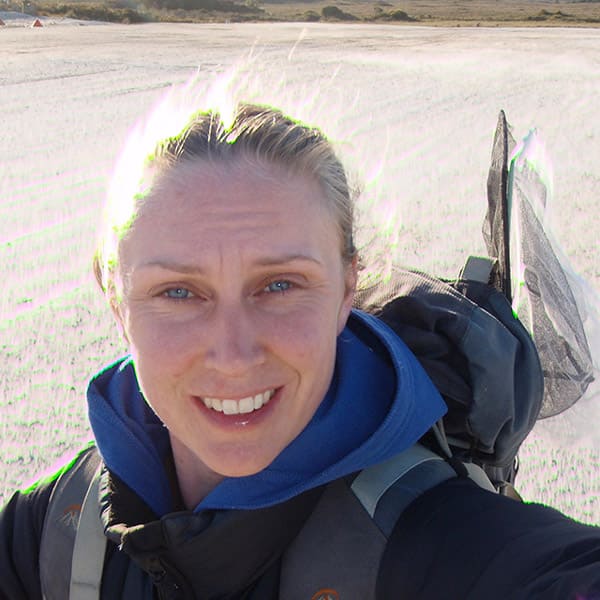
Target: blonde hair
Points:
(250, 131)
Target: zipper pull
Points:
(167, 588)
(156, 571)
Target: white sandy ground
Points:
(414, 109)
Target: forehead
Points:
(235, 190)
(252, 208)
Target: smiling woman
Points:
(228, 442)
(229, 339)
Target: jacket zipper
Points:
(167, 588)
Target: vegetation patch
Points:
(95, 11)
(170, 11)
(203, 5)
(544, 15)
(453, 13)
(334, 13)
(547, 16)
(310, 16)
(397, 15)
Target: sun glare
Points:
(132, 176)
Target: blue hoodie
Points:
(380, 402)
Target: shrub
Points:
(311, 16)
(333, 12)
(399, 15)
(208, 5)
(93, 12)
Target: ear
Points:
(350, 281)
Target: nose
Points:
(235, 341)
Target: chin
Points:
(241, 467)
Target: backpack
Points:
(466, 335)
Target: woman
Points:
(254, 394)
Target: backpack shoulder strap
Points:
(87, 563)
(72, 543)
(338, 551)
(372, 483)
(386, 489)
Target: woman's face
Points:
(233, 293)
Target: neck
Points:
(194, 479)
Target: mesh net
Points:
(558, 307)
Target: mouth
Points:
(242, 406)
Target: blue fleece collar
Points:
(379, 403)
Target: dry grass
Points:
(455, 13)
(452, 13)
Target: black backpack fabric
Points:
(480, 357)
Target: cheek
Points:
(307, 332)
(308, 345)
(158, 344)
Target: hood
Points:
(379, 403)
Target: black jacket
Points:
(456, 541)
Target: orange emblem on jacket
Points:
(326, 594)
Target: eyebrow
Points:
(191, 269)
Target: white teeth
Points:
(243, 406)
(246, 405)
(230, 407)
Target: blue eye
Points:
(278, 286)
(178, 293)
